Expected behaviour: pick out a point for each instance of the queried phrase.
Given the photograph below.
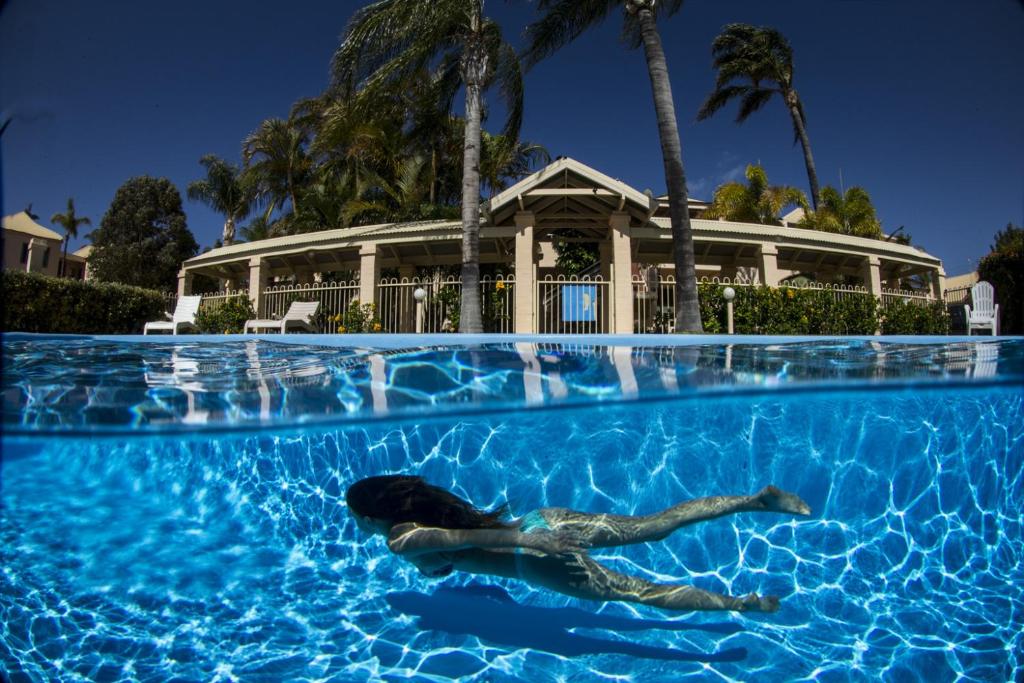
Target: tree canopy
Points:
(850, 213)
(755, 202)
(143, 237)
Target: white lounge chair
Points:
(985, 312)
(183, 318)
(300, 315)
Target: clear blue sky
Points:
(919, 101)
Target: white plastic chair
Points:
(300, 315)
(985, 312)
(183, 318)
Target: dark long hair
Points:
(400, 498)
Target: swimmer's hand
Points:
(559, 542)
(755, 603)
(773, 499)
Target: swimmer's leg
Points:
(580, 576)
(604, 530)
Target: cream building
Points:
(566, 201)
(33, 248)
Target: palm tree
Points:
(762, 56)
(70, 222)
(503, 159)
(563, 22)
(388, 41)
(755, 202)
(850, 213)
(276, 162)
(224, 191)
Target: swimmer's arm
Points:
(410, 540)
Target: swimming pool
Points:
(174, 509)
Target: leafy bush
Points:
(358, 318)
(228, 317)
(39, 303)
(785, 310)
(907, 317)
(1004, 270)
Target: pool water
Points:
(175, 510)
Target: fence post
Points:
(184, 282)
(524, 272)
(622, 274)
(369, 274)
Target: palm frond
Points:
(563, 21)
(753, 100)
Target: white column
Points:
(36, 248)
(938, 283)
(257, 283)
(524, 273)
(622, 274)
(871, 271)
(184, 283)
(768, 265)
(369, 274)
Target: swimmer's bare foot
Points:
(773, 499)
(753, 603)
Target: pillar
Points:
(257, 283)
(768, 265)
(938, 284)
(369, 274)
(184, 283)
(871, 271)
(525, 285)
(622, 274)
(36, 249)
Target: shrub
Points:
(786, 310)
(227, 317)
(1004, 270)
(358, 318)
(39, 303)
(907, 317)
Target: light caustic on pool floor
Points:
(235, 558)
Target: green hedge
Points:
(39, 303)
(786, 310)
(228, 317)
(1005, 272)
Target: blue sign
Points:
(579, 303)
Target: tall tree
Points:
(503, 160)
(755, 202)
(223, 191)
(276, 162)
(70, 222)
(390, 40)
(763, 58)
(143, 237)
(563, 22)
(850, 213)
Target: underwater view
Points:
(176, 511)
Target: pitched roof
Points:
(22, 222)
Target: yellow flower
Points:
(341, 329)
(376, 327)
(789, 293)
(500, 284)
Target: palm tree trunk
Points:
(433, 175)
(805, 142)
(474, 70)
(64, 261)
(687, 305)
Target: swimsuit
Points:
(531, 522)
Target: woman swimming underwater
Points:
(440, 533)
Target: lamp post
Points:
(419, 294)
(729, 293)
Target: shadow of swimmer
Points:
(489, 613)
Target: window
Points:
(24, 252)
(46, 257)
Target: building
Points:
(33, 248)
(565, 202)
